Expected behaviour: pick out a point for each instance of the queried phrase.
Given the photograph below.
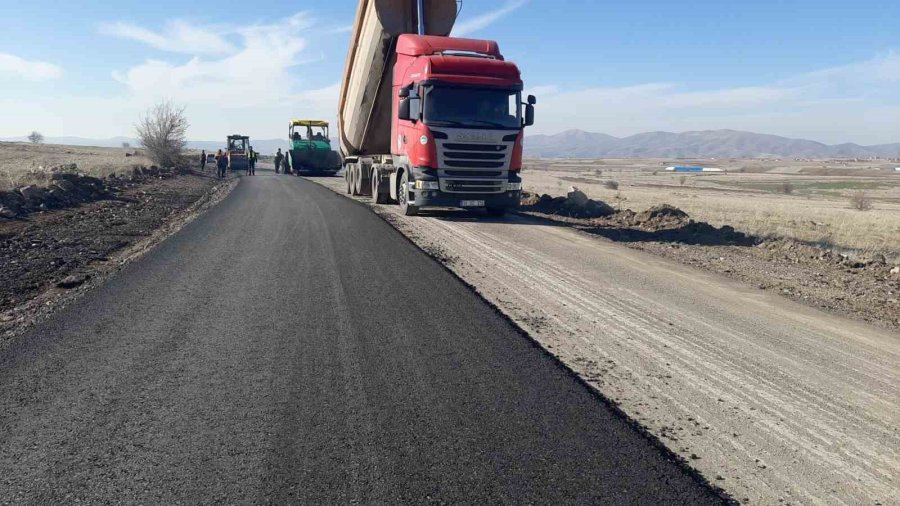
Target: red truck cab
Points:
(458, 120)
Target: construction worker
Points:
(251, 168)
(221, 164)
(203, 160)
(278, 158)
(287, 163)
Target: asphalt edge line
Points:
(52, 300)
(654, 441)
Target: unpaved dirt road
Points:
(771, 400)
(289, 346)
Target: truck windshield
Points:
(473, 107)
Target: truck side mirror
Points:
(404, 108)
(529, 115)
(532, 100)
(404, 92)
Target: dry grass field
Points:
(22, 164)
(812, 201)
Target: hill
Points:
(700, 144)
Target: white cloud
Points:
(850, 103)
(178, 36)
(31, 70)
(468, 26)
(250, 89)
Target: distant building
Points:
(693, 169)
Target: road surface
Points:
(769, 399)
(290, 346)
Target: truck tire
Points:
(347, 179)
(402, 196)
(378, 195)
(353, 178)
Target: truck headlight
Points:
(427, 185)
(513, 186)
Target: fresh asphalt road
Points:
(290, 346)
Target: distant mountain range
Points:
(581, 144)
(705, 144)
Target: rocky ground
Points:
(50, 254)
(864, 287)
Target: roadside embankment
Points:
(60, 243)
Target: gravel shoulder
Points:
(865, 287)
(768, 398)
(51, 257)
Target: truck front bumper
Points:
(437, 198)
(425, 191)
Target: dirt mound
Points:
(66, 187)
(575, 205)
(663, 216)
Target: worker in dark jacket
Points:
(287, 163)
(203, 160)
(221, 163)
(278, 158)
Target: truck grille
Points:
(472, 186)
(474, 156)
(473, 167)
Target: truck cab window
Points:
(473, 107)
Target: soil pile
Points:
(661, 217)
(66, 187)
(574, 205)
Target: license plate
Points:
(471, 203)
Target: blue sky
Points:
(827, 70)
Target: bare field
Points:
(805, 200)
(22, 164)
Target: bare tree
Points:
(163, 133)
(36, 137)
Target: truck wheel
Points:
(378, 196)
(403, 197)
(358, 181)
(353, 178)
(496, 212)
(347, 179)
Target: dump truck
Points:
(311, 151)
(429, 120)
(238, 149)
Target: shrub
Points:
(860, 201)
(611, 185)
(162, 132)
(682, 180)
(36, 138)
(787, 187)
